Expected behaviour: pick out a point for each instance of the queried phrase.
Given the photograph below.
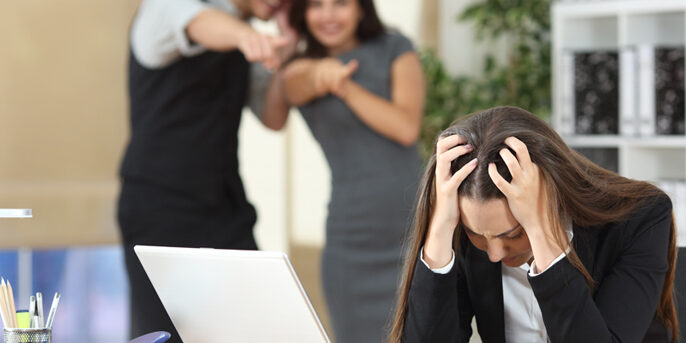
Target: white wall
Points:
(461, 53)
(262, 156)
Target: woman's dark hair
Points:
(576, 188)
(369, 26)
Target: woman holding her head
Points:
(360, 88)
(536, 241)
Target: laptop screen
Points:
(215, 295)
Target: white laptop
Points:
(219, 296)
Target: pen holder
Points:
(28, 335)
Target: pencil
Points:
(6, 305)
(13, 308)
(2, 308)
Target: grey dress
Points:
(374, 182)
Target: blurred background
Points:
(64, 123)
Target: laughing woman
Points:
(535, 241)
(360, 88)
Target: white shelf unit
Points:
(603, 25)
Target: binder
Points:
(669, 90)
(628, 92)
(596, 92)
(679, 207)
(646, 81)
(567, 104)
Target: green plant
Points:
(524, 80)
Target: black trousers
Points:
(153, 215)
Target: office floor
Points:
(305, 260)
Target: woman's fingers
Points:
(459, 176)
(521, 150)
(444, 160)
(343, 75)
(447, 142)
(350, 68)
(511, 163)
(346, 72)
(498, 179)
(449, 148)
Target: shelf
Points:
(613, 24)
(593, 141)
(662, 29)
(605, 141)
(589, 33)
(606, 8)
(630, 27)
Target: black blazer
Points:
(627, 260)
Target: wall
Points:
(63, 115)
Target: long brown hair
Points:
(577, 190)
(369, 27)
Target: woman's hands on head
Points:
(525, 193)
(445, 213)
(527, 198)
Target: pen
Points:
(53, 309)
(39, 308)
(32, 311)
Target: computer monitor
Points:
(218, 296)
